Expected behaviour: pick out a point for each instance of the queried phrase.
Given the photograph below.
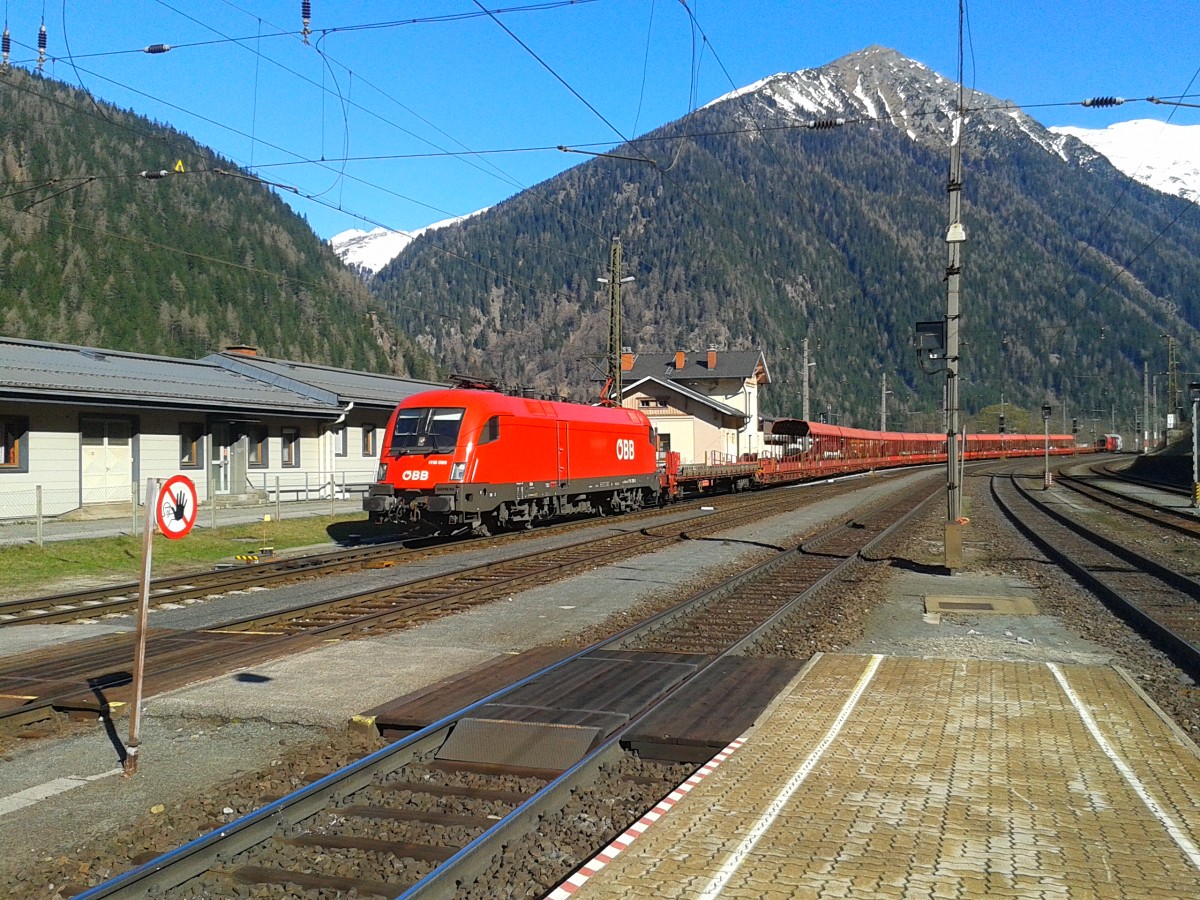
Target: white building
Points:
(84, 428)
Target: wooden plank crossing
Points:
(601, 690)
(713, 710)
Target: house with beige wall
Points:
(704, 405)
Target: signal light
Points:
(1074, 426)
(1002, 424)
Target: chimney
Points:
(243, 349)
(626, 362)
(712, 358)
(680, 359)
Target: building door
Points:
(107, 463)
(228, 466)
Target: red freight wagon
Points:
(465, 459)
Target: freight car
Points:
(470, 460)
(460, 460)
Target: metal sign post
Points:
(139, 654)
(173, 509)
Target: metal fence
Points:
(35, 515)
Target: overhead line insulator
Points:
(157, 48)
(41, 46)
(1104, 101)
(824, 124)
(305, 18)
(7, 46)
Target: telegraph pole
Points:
(804, 381)
(1145, 434)
(612, 385)
(883, 392)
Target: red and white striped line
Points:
(622, 842)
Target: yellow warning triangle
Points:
(179, 165)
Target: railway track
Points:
(456, 808)
(1164, 517)
(1160, 603)
(115, 600)
(93, 677)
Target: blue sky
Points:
(438, 76)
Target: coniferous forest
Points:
(184, 263)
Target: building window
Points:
(290, 438)
(664, 443)
(15, 447)
(368, 441)
(339, 441)
(257, 436)
(652, 403)
(191, 445)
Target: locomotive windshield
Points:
(429, 430)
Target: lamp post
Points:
(1046, 425)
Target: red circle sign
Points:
(176, 507)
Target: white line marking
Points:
(622, 841)
(742, 853)
(37, 793)
(1173, 828)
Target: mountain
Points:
(759, 221)
(366, 252)
(120, 233)
(1160, 155)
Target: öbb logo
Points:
(414, 475)
(626, 449)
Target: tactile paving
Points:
(903, 777)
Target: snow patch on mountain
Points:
(1160, 155)
(369, 251)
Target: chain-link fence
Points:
(35, 515)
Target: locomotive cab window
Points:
(490, 431)
(429, 430)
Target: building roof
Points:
(722, 408)
(64, 373)
(325, 383)
(739, 364)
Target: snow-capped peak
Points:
(369, 251)
(1160, 155)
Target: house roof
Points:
(739, 364)
(722, 408)
(64, 373)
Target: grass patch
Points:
(27, 570)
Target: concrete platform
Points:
(877, 776)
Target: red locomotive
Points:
(475, 460)
(460, 460)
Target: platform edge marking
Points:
(1157, 809)
(759, 828)
(577, 879)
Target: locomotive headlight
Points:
(381, 472)
(457, 471)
